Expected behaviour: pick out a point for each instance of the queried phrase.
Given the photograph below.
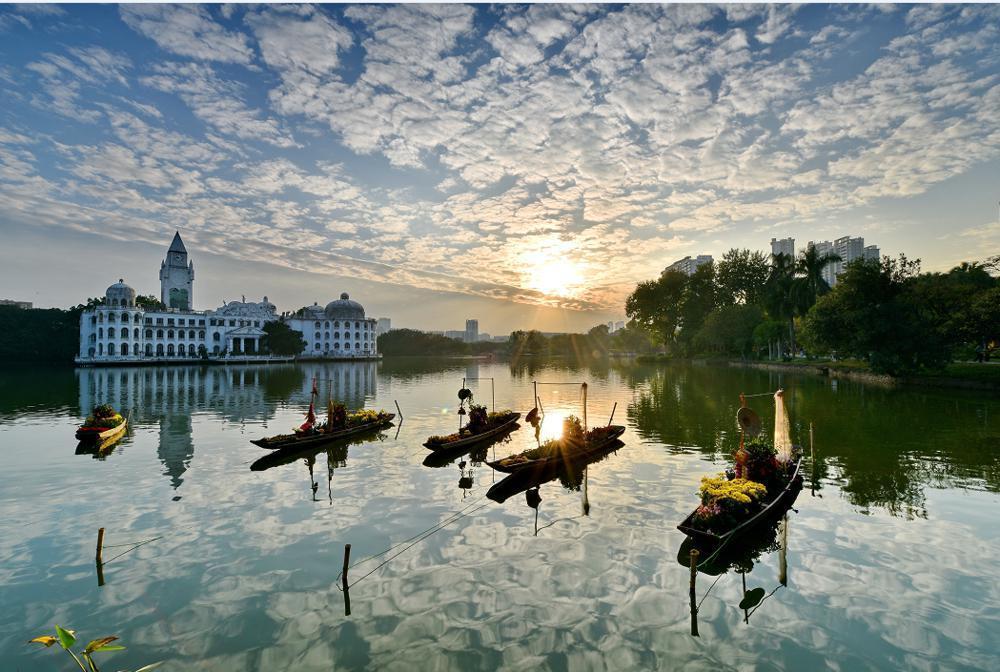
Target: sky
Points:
(523, 165)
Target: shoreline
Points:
(865, 376)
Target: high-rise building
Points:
(871, 252)
(455, 333)
(471, 331)
(688, 265)
(849, 249)
(384, 325)
(785, 246)
(23, 305)
(830, 270)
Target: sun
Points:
(553, 272)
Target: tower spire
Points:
(177, 245)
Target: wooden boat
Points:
(775, 504)
(296, 441)
(569, 470)
(506, 424)
(575, 453)
(101, 434)
(289, 455)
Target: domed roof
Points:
(344, 308)
(120, 294)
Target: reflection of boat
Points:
(289, 455)
(295, 441)
(99, 449)
(775, 505)
(502, 425)
(569, 471)
(442, 458)
(562, 452)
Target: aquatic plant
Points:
(67, 638)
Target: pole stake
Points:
(98, 556)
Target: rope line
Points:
(141, 543)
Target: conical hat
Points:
(748, 421)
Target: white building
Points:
(340, 330)
(688, 265)
(871, 253)
(471, 331)
(121, 332)
(384, 326)
(785, 246)
(848, 249)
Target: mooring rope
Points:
(141, 543)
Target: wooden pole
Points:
(812, 446)
(783, 555)
(98, 557)
(691, 592)
(586, 427)
(343, 580)
(397, 410)
(613, 409)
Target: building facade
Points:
(384, 326)
(471, 331)
(785, 246)
(848, 249)
(688, 265)
(120, 331)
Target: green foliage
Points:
(67, 639)
(39, 334)
(740, 277)
(280, 339)
(730, 330)
(697, 303)
(149, 302)
(655, 305)
(413, 342)
(633, 339)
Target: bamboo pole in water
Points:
(692, 593)
(98, 557)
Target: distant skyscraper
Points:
(849, 249)
(456, 334)
(384, 325)
(784, 246)
(471, 331)
(871, 252)
(830, 271)
(688, 265)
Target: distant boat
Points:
(96, 429)
(560, 451)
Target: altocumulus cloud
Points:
(409, 143)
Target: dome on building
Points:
(119, 294)
(344, 308)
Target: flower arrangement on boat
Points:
(480, 421)
(103, 417)
(574, 439)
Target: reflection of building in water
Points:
(351, 383)
(169, 396)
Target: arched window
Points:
(100, 332)
(191, 334)
(326, 335)
(159, 333)
(336, 323)
(135, 349)
(180, 350)
(215, 349)
(135, 333)
(336, 335)
(149, 333)
(111, 349)
(124, 332)
(316, 347)
(216, 337)
(149, 349)
(159, 349)
(100, 317)
(124, 349)
(111, 317)
(317, 335)
(317, 324)
(170, 333)
(124, 315)
(327, 324)
(100, 348)
(170, 349)
(357, 334)
(347, 346)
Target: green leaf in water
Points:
(66, 637)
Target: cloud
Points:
(188, 30)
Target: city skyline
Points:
(524, 165)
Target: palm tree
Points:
(779, 292)
(810, 285)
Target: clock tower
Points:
(177, 277)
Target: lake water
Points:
(892, 552)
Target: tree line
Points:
(884, 312)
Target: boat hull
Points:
(508, 425)
(296, 442)
(577, 455)
(96, 435)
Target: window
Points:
(149, 320)
(316, 347)
(170, 350)
(191, 322)
(100, 348)
(326, 335)
(215, 337)
(124, 349)
(159, 320)
(111, 349)
(135, 349)
(347, 346)
(149, 333)
(191, 334)
(100, 332)
(149, 349)
(111, 317)
(215, 349)
(159, 350)
(317, 324)
(125, 317)
(159, 333)
(180, 350)
(135, 333)
(336, 323)
(201, 323)
(170, 333)
(336, 334)
(232, 323)
(170, 321)
(317, 335)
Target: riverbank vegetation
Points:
(885, 313)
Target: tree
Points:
(740, 277)
(730, 330)
(599, 339)
(633, 339)
(779, 300)
(698, 301)
(810, 285)
(875, 314)
(280, 339)
(655, 305)
(413, 342)
(149, 302)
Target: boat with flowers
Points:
(766, 480)
(482, 426)
(103, 425)
(340, 423)
(575, 444)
